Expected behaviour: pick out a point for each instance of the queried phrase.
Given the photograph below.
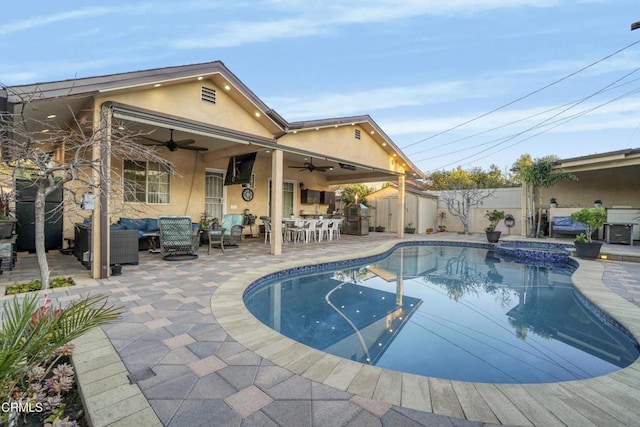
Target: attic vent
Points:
(208, 95)
(357, 133)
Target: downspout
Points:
(105, 140)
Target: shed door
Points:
(387, 213)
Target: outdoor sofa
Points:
(566, 225)
(124, 245)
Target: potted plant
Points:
(553, 203)
(410, 229)
(592, 218)
(597, 203)
(494, 217)
(207, 223)
(442, 215)
(380, 229)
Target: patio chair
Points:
(229, 233)
(179, 239)
(334, 229)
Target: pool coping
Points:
(612, 397)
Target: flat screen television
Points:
(239, 169)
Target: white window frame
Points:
(295, 194)
(146, 184)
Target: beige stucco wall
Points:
(342, 143)
(478, 222)
(614, 187)
(183, 100)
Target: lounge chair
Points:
(229, 232)
(179, 239)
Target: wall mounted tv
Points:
(239, 169)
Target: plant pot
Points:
(410, 230)
(493, 236)
(372, 229)
(380, 229)
(116, 270)
(6, 228)
(553, 205)
(588, 250)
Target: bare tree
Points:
(54, 158)
(459, 202)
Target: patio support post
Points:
(401, 205)
(277, 164)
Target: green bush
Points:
(592, 218)
(35, 285)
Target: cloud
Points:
(306, 19)
(39, 21)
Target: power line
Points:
(504, 126)
(524, 96)
(558, 122)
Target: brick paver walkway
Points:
(193, 373)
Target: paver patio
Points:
(198, 367)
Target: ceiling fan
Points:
(311, 167)
(175, 145)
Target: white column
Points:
(401, 205)
(276, 201)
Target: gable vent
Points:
(208, 95)
(357, 133)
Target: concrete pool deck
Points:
(202, 359)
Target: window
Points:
(146, 182)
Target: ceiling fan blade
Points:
(154, 141)
(194, 148)
(185, 142)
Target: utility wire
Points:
(506, 125)
(557, 123)
(523, 97)
(549, 119)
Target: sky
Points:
(466, 83)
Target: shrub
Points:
(592, 218)
(35, 285)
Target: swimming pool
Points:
(450, 312)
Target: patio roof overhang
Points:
(229, 142)
(608, 160)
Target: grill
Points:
(357, 216)
(249, 219)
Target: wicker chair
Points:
(179, 240)
(230, 232)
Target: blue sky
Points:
(423, 69)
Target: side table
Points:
(154, 241)
(212, 239)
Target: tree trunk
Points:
(41, 253)
(539, 212)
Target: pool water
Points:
(458, 313)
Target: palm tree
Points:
(544, 173)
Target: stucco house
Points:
(210, 105)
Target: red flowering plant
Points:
(34, 348)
